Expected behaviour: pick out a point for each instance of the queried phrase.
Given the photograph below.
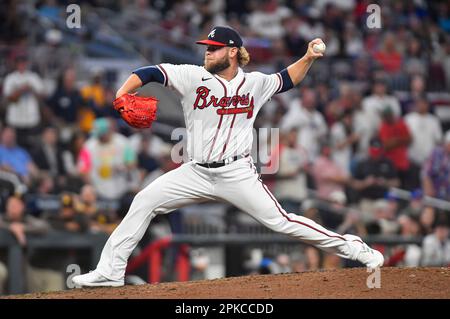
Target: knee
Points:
(145, 202)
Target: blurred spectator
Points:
(395, 137)
(310, 123)
(427, 218)
(446, 61)
(66, 100)
(328, 176)
(354, 44)
(107, 161)
(95, 91)
(200, 262)
(49, 265)
(47, 155)
(436, 246)
(68, 219)
(19, 223)
(94, 94)
(374, 104)
(266, 18)
(415, 59)
(312, 258)
(153, 144)
(51, 57)
(372, 178)
(12, 26)
(146, 162)
(3, 277)
(406, 255)
(332, 262)
(284, 263)
(343, 140)
(14, 158)
(165, 165)
(72, 152)
(388, 57)
(436, 171)
(140, 15)
(298, 263)
(385, 216)
(23, 90)
(99, 220)
(425, 130)
(291, 185)
(417, 92)
(415, 204)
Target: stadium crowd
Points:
(364, 122)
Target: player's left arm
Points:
(139, 78)
(297, 71)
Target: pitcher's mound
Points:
(342, 283)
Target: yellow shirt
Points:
(95, 92)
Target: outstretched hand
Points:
(310, 53)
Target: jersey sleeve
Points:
(178, 76)
(271, 85)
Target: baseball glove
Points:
(137, 111)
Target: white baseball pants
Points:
(237, 183)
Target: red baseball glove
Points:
(137, 111)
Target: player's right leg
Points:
(175, 189)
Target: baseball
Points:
(319, 48)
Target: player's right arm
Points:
(139, 78)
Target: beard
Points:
(218, 66)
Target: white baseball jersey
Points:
(219, 114)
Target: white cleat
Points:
(370, 257)
(94, 279)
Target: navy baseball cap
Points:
(224, 37)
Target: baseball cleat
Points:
(372, 258)
(94, 279)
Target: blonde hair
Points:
(243, 56)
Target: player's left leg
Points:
(241, 185)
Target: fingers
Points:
(316, 41)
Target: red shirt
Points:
(391, 62)
(399, 154)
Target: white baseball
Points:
(319, 48)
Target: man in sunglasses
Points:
(220, 103)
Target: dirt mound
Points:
(343, 283)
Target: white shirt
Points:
(23, 113)
(311, 127)
(435, 253)
(341, 157)
(219, 114)
(269, 24)
(295, 188)
(426, 132)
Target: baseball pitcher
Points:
(220, 103)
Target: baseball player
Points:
(220, 103)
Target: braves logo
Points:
(212, 34)
(224, 102)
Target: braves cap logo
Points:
(212, 33)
